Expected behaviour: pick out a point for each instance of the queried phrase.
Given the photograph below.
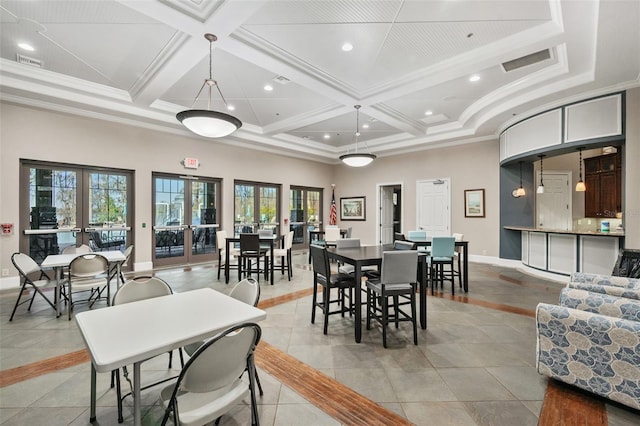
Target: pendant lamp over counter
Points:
(357, 159)
(540, 189)
(519, 192)
(205, 122)
(580, 186)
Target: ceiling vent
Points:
(527, 60)
(28, 61)
(281, 79)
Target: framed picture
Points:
(474, 203)
(353, 208)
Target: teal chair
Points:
(442, 254)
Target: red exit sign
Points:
(191, 163)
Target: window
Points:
(257, 206)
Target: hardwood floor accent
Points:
(274, 301)
(39, 368)
(485, 304)
(565, 405)
(337, 400)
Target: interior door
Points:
(553, 207)
(386, 214)
(434, 199)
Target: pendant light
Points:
(205, 122)
(540, 189)
(519, 192)
(357, 159)
(580, 186)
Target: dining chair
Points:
(418, 235)
(26, 266)
(442, 251)
(247, 291)
(284, 254)
(331, 235)
(113, 273)
(250, 250)
(398, 236)
(136, 289)
(88, 272)
(344, 243)
(322, 276)
(398, 279)
(221, 243)
(81, 249)
(457, 255)
(210, 384)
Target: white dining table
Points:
(60, 261)
(134, 332)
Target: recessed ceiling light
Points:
(327, 135)
(26, 46)
(474, 78)
(268, 88)
(347, 47)
(231, 108)
(428, 112)
(365, 126)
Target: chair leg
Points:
(326, 293)
(414, 317)
(18, 302)
(119, 395)
(258, 381)
(314, 301)
(396, 308)
(369, 306)
(385, 319)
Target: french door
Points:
(256, 206)
(305, 213)
(69, 205)
(185, 212)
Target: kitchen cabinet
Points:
(603, 179)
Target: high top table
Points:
(465, 255)
(134, 332)
(271, 240)
(60, 261)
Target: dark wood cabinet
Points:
(603, 197)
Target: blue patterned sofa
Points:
(592, 340)
(606, 284)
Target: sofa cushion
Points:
(604, 304)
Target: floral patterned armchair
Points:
(592, 341)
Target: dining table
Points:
(269, 241)
(131, 333)
(464, 245)
(372, 256)
(58, 262)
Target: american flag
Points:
(333, 214)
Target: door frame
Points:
(379, 187)
(446, 180)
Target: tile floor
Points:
(474, 365)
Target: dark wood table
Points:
(465, 258)
(372, 255)
(271, 241)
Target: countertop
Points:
(564, 231)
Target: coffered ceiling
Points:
(142, 61)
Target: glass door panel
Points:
(269, 209)
(203, 217)
(305, 211)
(244, 209)
(108, 195)
(169, 224)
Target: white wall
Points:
(632, 171)
(471, 166)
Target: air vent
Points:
(527, 60)
(281, 79)
(29, 61)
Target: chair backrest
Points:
(288, 240)
(349, 231)
(320, 260)
(249, 243)
(331, 234)
(88, 265)
(442, 246)
(417, 235)
(127, 255)
(458, 237)
(399, 267)
(24, 264)
(96, 238)
(141, 288)
(247, 291)
(82, 249)
(221, 239)
(398, 236)
(221, 360)
(404, 245)
(348, 243)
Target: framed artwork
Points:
(353, 208)
(474, 203)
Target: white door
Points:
(553, 207)
(386, 214)
(434, 214)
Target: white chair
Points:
(284, 254)
(210, 384)
(82, 249)
(331, 235)
(114, 271)
(139, 288)
(221, 243)
(398, 278)
(88, 272)
(26, 266)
